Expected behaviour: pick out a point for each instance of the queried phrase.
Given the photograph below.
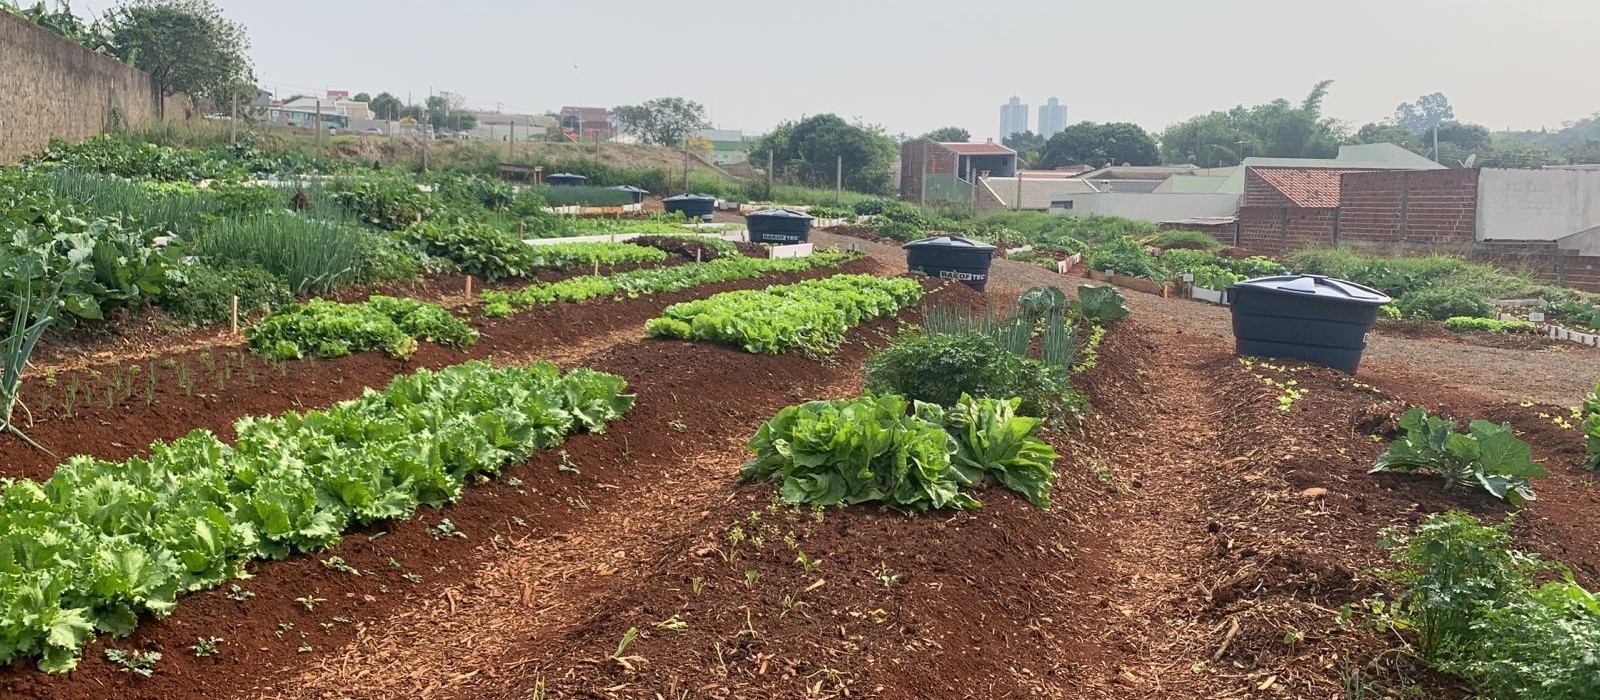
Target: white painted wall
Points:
(1536, 205)
(1152, 206)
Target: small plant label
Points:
(1188, 276)
(1536, 316)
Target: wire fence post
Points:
(838, 181)
(318, 127)
(233, 122)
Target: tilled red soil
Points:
(226, 383)
(405, 564)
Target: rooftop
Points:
(1037, 193)
(979, 149)
(1306, 187)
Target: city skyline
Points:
(1052, 117)
(1013, 118)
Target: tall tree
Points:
(664, 121)
(386, 106)
(186, 45)
(809, 150)
(448, 111)
(1028, 146)
(1278, 129)
(362, 97)
(1096, 144)
(1427, 112)
(949, 134)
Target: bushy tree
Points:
(1096, 144)
(386, 106)
(1028, 146)
(448, 110)
(664, 121)
(1427, 112)
(949, 134)
(1276, 129)
(808, 149)
(188, 46)
(362, 97)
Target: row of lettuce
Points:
(100, 544)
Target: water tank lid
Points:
(580, 177)
(630, 188)
(689, 197)
(1327, 288)
(949, 242)
(780, 214)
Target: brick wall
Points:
(54, 88)
(1259, 193)
(1544, 262)
(1283, 230)
(1409, 209)
(941, 161)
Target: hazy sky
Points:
(914, 66)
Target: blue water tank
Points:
(566, 180)
(638, 193)
(952, 258)
(781, 226)
(694, 206)
(1318, 319)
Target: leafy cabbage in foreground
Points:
(875, 449)
(100, 543)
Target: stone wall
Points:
(54, 88)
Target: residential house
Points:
(951, 169)
(499, 126)
(587, 123)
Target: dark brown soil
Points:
(1434, 330)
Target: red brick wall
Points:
(1283, 230)
(941, 160)
(1419, 208)
(1259, 193)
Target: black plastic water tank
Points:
(638, 193)
(566, 180)
(952, 258)
(782, 226)
(1318, 319)
(694, 206)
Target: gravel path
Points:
(1555, 375)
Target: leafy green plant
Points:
(812, 315)
(1439, 303)
(1185, 240)
(334, 329)
(1488, 455)
(308, 255)
(201, 294)
(195, 511)
(140, 663)
(478, 249)
(1101, 304)
(1126, 256)
(1487, 325)
(1478, 613)
(993, 441)
(1590, 414)
(939, 369)
(636, 283)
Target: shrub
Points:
(1487, 325)
(1439, 303)
(702, 248)
(1479, 614)
(940, 368)
(390, 203)
(201, 294)
(240, 199)
(478, 249)
(1101, 304)
(1185, 240)
(1126, 256)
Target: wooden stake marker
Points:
(233, 314)
(469, 286)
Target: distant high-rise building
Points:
(1013, 118)
(1052, 118)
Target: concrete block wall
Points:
(54, 88)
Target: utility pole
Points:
(233, 123)
(1436, 143)
(1019, 188)
(686, 165)
(769, 174)
(511, 143)
(319, 128)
